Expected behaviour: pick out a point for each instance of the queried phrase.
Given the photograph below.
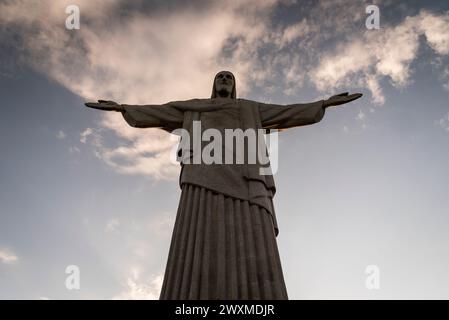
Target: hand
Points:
(105, 105)
(341, 98)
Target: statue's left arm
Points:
(286, 116)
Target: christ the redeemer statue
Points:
(224, 239)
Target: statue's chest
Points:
(227, 118)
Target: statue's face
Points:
(224, 82)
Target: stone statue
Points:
(224, 239)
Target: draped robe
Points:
(224, 239)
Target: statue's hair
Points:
(234, 89)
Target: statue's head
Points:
(224, 85)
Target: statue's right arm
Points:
(164, 116)
(153, 116)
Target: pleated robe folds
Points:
(224, 240)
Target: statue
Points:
(224, 239)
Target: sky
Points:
(367, 186)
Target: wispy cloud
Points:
(444, 122)
(85, 134)
(142, 152)
(385, 53)
(137, 289)
(445, 77)
(61, 135)
(7, 256)
(74, 149)
(112, 225)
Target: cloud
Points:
(136, 289)
(112, 225)
(162, 224)
(86, 133)
(143, 58)
(74, 149)
(294, 32)
(444, 77)
(61, 135)
(385, 53)
(361, 116)
(436, 30)
(444, 122)
(7, 257)
(142, 151)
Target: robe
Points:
(224, 240)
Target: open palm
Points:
(105, 105)
(341, 98)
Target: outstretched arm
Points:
(301, 114)
(144, 116)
